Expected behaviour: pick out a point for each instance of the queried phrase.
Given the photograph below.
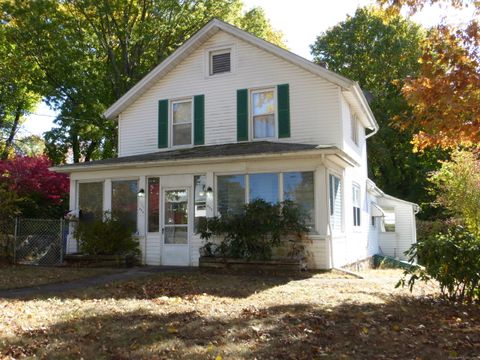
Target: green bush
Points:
(452, 259)
(255, 232)
(106, 237)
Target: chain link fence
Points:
(34, 241)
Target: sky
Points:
(300, 24)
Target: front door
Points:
(175, 229)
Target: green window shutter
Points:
(283, 95)
(199, 120)
(162, 124)
(242, 115)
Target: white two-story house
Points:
(229, 118)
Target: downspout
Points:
(372, 133)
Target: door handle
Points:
(163, 230)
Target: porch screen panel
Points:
(230, 194)
(153, 205)
(124, 202)
(335, 202)
(264, 186)
(299, 188)
(90, 200)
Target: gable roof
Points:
(205, 33)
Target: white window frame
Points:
(171, 125)
(147, 207)
(250, 112)
(358, 205)
(210, 61)
(221, 48)
(354, 127)
(280, 188)
(342, 213)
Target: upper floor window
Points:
(354, 127)
(220, 62)
(182, 118)
(263, 113)
(356, 204)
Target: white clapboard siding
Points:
(395, 244)
(314, 102)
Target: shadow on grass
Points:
(400, 329)
(180, 284)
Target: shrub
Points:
(106, 237)
(255, 232)
(452, 259)
(457, 188)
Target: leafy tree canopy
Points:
(380, 50)
(91, 52)
(445, 94)
(17, 97)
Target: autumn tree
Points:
(41, 192)
(445, 94)
(91, 52)
(380, 50)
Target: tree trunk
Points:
(13, 131)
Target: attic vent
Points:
(220, 62)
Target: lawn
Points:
(220, 316)
(18, 276)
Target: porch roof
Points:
(207, 153)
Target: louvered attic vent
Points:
(220, 62)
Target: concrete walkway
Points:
(60, 287)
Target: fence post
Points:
(61, 239)
(15, 233)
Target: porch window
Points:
(153, 204)
(231, 194)
(182, 118)
(335, 202)
(299, 188)
(200, 199)
(263, 113)
(356, 204)
(124, 202)
(389, 220)
(264, 186)
(90, 200)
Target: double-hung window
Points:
(182, 119)
(356, 204)
(263, 113)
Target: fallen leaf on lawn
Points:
(219, 357)
(172, 330)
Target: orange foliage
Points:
(445, 97)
